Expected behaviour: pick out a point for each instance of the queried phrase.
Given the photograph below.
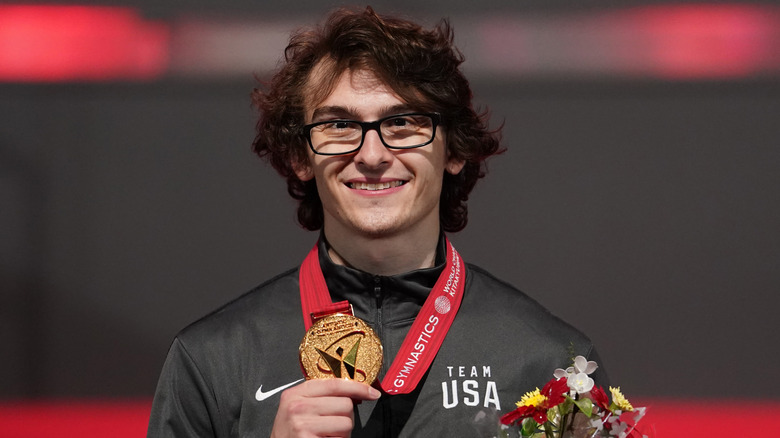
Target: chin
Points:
(377, 226)
(377, 231)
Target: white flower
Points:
(581, 365)
(580, 383)
(560, 372)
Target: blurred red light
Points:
(63, 43)
(705, 40)
(128, 418)
(77, 418)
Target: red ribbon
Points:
(427, 333)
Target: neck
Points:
(384, 255)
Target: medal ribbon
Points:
(428, 330)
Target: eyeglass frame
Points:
(372, 126)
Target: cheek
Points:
(326, 177)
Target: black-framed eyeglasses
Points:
(399, 131)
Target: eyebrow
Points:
(341, 112)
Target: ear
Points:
(454, 165)
(303, 171)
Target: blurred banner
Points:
(665, 419)
(674, 42)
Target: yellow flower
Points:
(533, 399)
(619, 400)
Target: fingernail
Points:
(373, 393)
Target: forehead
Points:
(349, 88)
(330, 85)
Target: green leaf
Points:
(585, 405)
(551, 414)
(565, 407)
(529, 427)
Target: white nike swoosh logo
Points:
(260, 395)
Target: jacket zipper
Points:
(386, 420)
(378, 300)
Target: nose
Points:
(373, 153)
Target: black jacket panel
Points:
(501, 345)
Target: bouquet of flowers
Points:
(572, 406)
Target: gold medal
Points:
(343, 347)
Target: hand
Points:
(318, 408)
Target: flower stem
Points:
(562, 429)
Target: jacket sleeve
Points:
(184, 402)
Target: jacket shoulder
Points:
(515, 308)
(261, 306)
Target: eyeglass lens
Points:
(404, 131)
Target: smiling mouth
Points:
(376, 186)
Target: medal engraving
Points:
(343, 347)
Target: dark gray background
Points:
(645, 212)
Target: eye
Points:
(407, 124)
(340, 125)
(337, 126)
(400, 121)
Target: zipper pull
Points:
(378, 290)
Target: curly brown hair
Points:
(421, 66)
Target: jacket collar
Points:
(398, 296)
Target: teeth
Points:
(379, 186)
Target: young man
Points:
(371, 122)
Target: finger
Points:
(337, 388)
(334, 426)
(315, 426)
(315, 416)
(322, 406)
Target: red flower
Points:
(555, 390)
(599, 397)
(535, 404)
(517, 415)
